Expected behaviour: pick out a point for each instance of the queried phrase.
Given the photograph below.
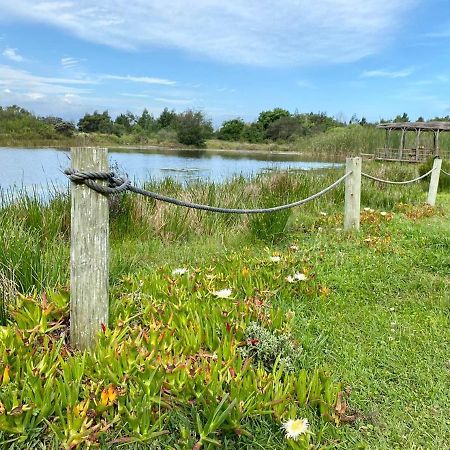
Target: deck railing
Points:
(419, 154)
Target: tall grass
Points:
(35, 232)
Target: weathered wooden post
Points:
(352, 194)
(434, 181)
(89, 252)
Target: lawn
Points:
(219, 340)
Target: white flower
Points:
(293, 247)
(224, 293)
(294, 428)
(322, 213)
(275, 258)
(179, 271)
(383, 213)
(366, 209)
(296, 277)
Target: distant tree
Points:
(420, 119)
(253, 133)
(147, 122)
(167, 118)
(60, 125)
(96, 123)
(127, 121)
(193, 128)
(363, 121)
(231, 130)
(354, 119)
(284, 128)
(441, 119)
(265, 118)
(401, 118)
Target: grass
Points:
(373, 314)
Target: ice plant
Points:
(295, 428)
(108, 396)
(224, 293)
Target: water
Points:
(38, 168)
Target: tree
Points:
(96, 122)
(231, 130)
(401, 118)
(167, 118)
(193, 128)
(127, 121)
(265, 118)
(253, 133)
(147, 122)
(60, 125)
(283, 128)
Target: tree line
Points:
(190, 127)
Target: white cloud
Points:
(11, 53)
(145, 80)
(173, 101)
(257, 32)
(382, 73)
(70, 63)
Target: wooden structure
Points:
(418, 150)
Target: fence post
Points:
(89, 302)
(434, 181)
(352, 194)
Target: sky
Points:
(375, 59)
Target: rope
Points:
(122, 184)
(445, 173)
(370, 177)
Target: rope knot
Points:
(116, 184)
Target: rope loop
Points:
(370, 177)
(122, 184)
(116, 185)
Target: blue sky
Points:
(375, 58)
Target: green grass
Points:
(374, 311)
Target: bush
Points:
(193, 128)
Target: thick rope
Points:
(370, 177)
(121, 184)
(445, 173)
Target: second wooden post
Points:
(89, 252)
(352, 194)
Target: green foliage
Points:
(401, 118)
(265, 118)
(231, 130)
(170, 360)
(96, 123)
(193, 128)
(167, 118)
(268, 348)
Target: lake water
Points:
(37, 168)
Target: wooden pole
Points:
(434, 181)
(89, 303)
(352, 194)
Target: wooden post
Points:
(352, 194)
(89, 302)
(434, 181)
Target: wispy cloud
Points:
(145, 80)
(241, 31)
(174, 101)
(70, 63)
(11, 54)
(383, 73)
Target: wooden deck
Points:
(412, 155)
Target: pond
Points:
(40, 168)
